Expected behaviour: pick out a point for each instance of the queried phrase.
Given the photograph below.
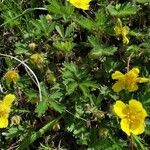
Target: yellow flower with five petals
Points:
(5, 106)
(122, 31)
(132, 116)
(127, 81)
(81, 4)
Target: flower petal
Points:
(125, 126)
(117, 75)
(125, 31)
(137, 127)
(8, 99)
(119, 23)
(125, 40)
(4, 121)
(118, 86)
(84, 4)
(142, 80)
(117, 30)
(119, 106)
(137, 107)
(135, 71)
(132, 87)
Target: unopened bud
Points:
(56, 127)
(15, 120)
(49, 18)
(103, 132)
(32, 46)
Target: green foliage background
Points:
(81, 52)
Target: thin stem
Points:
(128, 62)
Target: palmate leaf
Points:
(42, 27)
(99, 23)
(54, 104)
(74, 78)
(49, 101)
(122, 10)
(99, 50)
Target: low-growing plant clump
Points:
(75, 75)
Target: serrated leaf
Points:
(84, 89)
(85, 23)
(99, 50)
(42, 107)
(56, 106)
(71, 87)
(122, 10)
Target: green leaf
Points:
(60, 30)
(99, 49)
(49, 100)
(143, 1)
(139, 143)
(42, 27)
(42, 107)
(31, 137)
(56, 106)
(69, 30)
(122, 10)
(71, 87)
(84, 89)
(85, 22)
(56, 7)
(74, 77)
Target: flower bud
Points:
(15, 120)
(56, 127)
(37, 58)
(50, 77)
(32, 46)
(49, 18)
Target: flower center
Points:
(131, 116)
(129, 80)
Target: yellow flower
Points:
(127, 81)
(132, 116)
(37, 59)
(11, 76)
(81, 4)
(5, 106)
(123, 31)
